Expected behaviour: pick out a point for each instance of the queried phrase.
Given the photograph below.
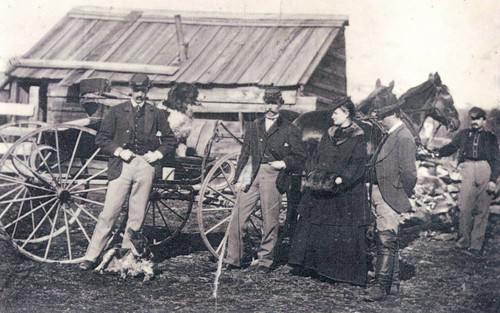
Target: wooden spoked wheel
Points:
(53, 182)
(216, 204)
(11, 132)
(167, 212)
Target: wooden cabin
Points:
(231, 59)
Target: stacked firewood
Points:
(436, 194)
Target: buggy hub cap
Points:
(64, 195)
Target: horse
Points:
(312, 125)
(429, 99)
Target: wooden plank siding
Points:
(147, 52)
(166, 55)
(280, 66)
(196, 47)
(215, 48)
(300, 64)
(329, 79)
(100, 47)
(131, 27)
(225, 57)
(262, 64)
(236, 67)
(44, 46)
(263, 50)
(231, 59)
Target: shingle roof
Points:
(250, 50)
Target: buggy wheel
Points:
(167, 212)
(11, 132)
(215, 207)
(53, 186)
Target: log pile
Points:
(436, 195)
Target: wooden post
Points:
(180, 39)
(34, 101)
(13, 97)
(94, 65)
(242, 125)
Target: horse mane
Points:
(180, 96)
(410, 99)
(366, 106)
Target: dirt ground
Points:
(436, 278)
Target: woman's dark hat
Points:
(343, 101)
(139, 81)
(476, 113)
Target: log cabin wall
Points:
(232, 59)
(329, 78)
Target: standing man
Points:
(479, 157)
(271, 145)
(392, 184)
(135, 135)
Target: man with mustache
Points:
(135, 134)
(271, 145)
(479, 160)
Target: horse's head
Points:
(382, 96)
(443, 109)
(181, 97)
(430, 99)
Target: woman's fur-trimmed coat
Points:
(330, 235)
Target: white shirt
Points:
(135, 104)
(393, 128)
(269, 123)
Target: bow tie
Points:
(271, 119)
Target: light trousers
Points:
(474, 203)
(386, 217)
(134, 182)
(264, 189)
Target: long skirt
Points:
(337, 252)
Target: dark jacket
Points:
(486, 149)
(117, 130)
(283, 141)
(396, 169)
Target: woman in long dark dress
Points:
(334, 213)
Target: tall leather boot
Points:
(386, 244)
(396, 281)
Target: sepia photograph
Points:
(249, 156)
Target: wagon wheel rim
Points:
(49, 215)
(11, 132)
(167, 212)
(215, 206)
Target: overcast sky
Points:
(395, 40)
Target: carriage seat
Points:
(200, 134)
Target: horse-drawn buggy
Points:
(53, 177)
(53, 181)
